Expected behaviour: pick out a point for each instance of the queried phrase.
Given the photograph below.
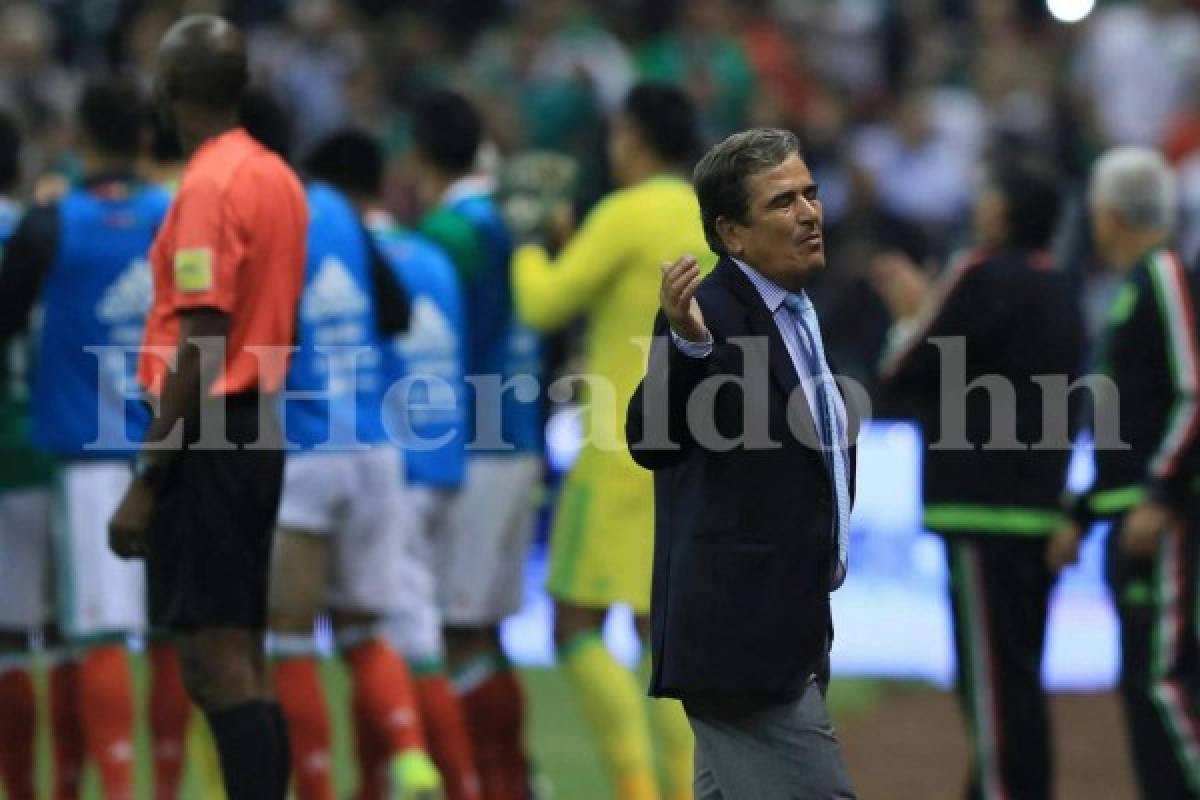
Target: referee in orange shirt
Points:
(228, 268)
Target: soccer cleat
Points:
(414, 777)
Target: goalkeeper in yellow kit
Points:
(602, 541)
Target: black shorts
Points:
(211, 532)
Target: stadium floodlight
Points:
(1070, 11)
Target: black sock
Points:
(283, 745)
(247, 746)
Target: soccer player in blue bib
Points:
(482, 556)
(425, 414)
(342, 525)
(82, 261)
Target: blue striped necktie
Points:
(832, 436)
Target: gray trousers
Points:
(746, 750)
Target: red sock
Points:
(17, 721)
(385, 690)
(449, 742)
(495, 712)
(298, 686)
(374, 782)
(66, 729)
(106, 709)
(170, 712)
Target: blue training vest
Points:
(498, 344)
(95, 295)
(339, 353)
(430, 356)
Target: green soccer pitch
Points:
(566, 763)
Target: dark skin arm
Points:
(179, 408)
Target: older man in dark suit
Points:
(749, 439)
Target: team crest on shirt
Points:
(194, 269)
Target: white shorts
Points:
(27, 597)
(359, 500)
(97, 593)
(480, 556)
(415, 629)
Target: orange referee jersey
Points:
(233, 240)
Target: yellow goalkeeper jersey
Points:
(610, 272)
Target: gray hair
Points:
(720, 177)
(1136, 184)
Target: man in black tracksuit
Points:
(1146, 479)
(967, 354)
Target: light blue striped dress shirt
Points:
(807, 364)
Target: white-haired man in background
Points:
(1145, 480)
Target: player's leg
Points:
(297, 591)
(169, 712)
(1000, 592)
(66, 729)
(226, 676)
(24, 574)
(446, 729)
(373, 756)
(415, 630)
(367, 559)
(480, 573)
(673, 734)
(1021, 586)
(596, 561)
(384, 700)
(106, 710)
(1158, 663)
(611, 700)
(493, 705)
(1178, 690)
(314, 488)
(101, 601)
(208, 561)
(975, 654)
(19, 718)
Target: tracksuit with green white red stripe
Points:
(1149, 350)
(1014, 317)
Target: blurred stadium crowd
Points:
(896, 104)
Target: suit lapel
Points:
(762, 324)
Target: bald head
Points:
(202, 62)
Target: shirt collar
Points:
(468, 186)
(772, 293)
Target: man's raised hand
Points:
(678, 299)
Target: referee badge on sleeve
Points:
(194, 269)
